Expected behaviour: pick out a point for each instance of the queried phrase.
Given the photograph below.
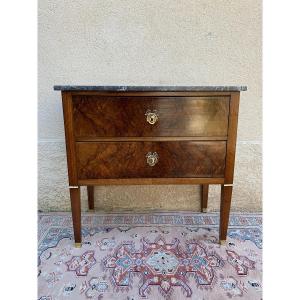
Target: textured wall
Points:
(142, 42)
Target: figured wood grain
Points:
(69, 136)
(232, 136)
(128, 159)
(107, 116)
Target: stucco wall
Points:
(142, 42)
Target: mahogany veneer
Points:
(150, 135)
(128, 159)
(108, 116)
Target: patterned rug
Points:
(150, 256)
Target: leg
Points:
(204, 197)
(90, 190)
(226, 192)
(76, 214)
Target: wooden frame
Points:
(151, 181)
(226, 182)
(232, 136)
(69, 136)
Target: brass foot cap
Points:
(204, 210)
(91, 210)
(222, 242)
(77, 245)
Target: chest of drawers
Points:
(150, 135)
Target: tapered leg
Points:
(226, 193)
(76, 214)
(90, 190)
(204, 197)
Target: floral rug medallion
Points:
(150, 256)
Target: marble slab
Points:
(111, 88)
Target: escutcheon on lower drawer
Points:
(96, 160)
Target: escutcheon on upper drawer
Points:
(96, 160)
(109, 116)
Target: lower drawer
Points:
(97, 160)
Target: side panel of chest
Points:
(108, 116)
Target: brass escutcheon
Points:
(152, 116)
(152, 158)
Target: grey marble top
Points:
(111, 88)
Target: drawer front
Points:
(96, 160)
(107, 116)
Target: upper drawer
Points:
(107, 116)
